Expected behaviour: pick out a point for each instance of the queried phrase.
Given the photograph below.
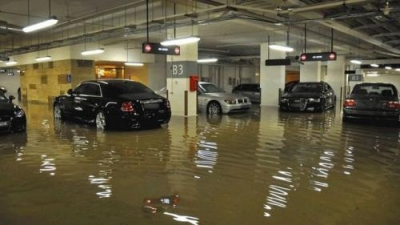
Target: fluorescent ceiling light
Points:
(374, 65)
(210, 60)
(44, 58)
(93, 52)
(372, 75)
(44, 24)
(133, 64)
(388, 67)
(355, 61)
(180, 41)
(398, 69)
(281, 48)
(10, 63)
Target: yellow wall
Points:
(42, 82)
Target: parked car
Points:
(252, 91)
(12, 117)
(372, 101)
(113, 104)
(213, 100)
(308, 96)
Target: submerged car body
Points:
(308, 96)
(372, 101)
(113, 104)
(12, 117)
(213, 100)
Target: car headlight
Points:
(284, 100)
(230, 101)
(18, 112)
(314, 100)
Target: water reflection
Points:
(265, 167)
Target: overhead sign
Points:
(157, 48)
(277, 62)
(356, 77)
(320, 56)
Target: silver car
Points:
(214, 100)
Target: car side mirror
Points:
(11, 98)
(69, 92)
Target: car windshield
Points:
(3, 97)
(374, 89)
(307, 87)
(210, 88)
(125, 87)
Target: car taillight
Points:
(349, 103)
(127, 107)
(393, 105)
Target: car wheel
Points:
(58, 113)
(214, 108)
(101, 121)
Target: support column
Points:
(310, 71)
(179, 69)
(335, 76)
(271, 77)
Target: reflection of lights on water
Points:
(277, 195)
(48, 165)
(349, 159)
(103, 179)
(188, 219)
(207, 157)
(325, 165)
(103, 184)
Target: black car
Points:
(113, 104)
(12, 117)
(252, 91)
(308, 96)
(372, 101)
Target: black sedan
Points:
(308, 96)
(372, 101)
(12, 117)
(113, 104)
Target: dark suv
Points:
(252, 91)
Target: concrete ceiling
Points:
(366, 29)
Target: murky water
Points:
(264, 167)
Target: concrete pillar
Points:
(272, 78)
(179, 69)
(335, 76)
(310, 71)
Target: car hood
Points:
(302, 95)
(6, 108)
(140, 96)
(223, 95)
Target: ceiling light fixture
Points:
(93, 52)
(180, 41)
(388, 67)
(11, 63)
(374, 65)
(44, 58)
(356, 61)
(210, 60)
(282, 48)
(133, 64)
(41, 25)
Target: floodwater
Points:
(262, 167)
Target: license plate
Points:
(4, 124)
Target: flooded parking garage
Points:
(263, 167)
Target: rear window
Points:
(125, 87)
(375, 89)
